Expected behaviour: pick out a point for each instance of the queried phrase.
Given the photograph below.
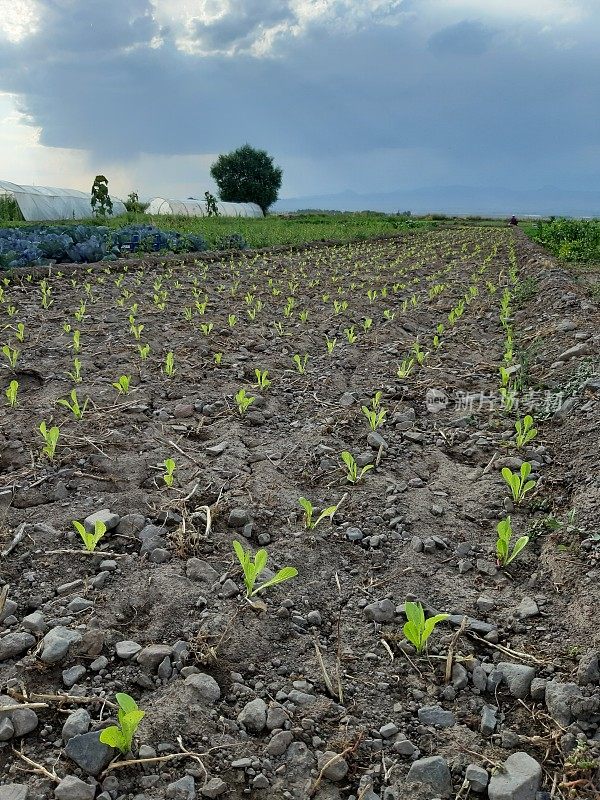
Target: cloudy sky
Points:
(367, 95)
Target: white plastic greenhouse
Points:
(197, 208)
(38, 203)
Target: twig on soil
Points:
(450, 658)
(18, 537)
(3, 597)
(61, 699)
(171, 757)
(9, 709)
(506, 650)
(83, 552)
(38, 769)
(350, 749)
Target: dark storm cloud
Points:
(515, 112)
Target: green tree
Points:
(101, 203)
(247, 175)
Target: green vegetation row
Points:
(569, 239)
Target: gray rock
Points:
(76, 724)
(104, 515)
(559, 699)
(253, 716)
(517, 677)
(198, 570)
(520, 779)
(35, 622)
(538, 689)
(14, 791)
(334, 771)
(460, 676)
(214, 788)
(588, 670)
(56, 644)
(479, 678)
(131, 524)
(376, 440)
(404, 746)
(152, 655)
(22, 720)
(388, 730)
(434, 772)
(354, 534)
(436, 715)
(477, 777)
(183, 789)
(581, 349)
(527, 608)
(72, 788)
(279, 743)
(380, 611)
(13, 644)
(6, 729)
(72, 675)
(127, 649)
(238, 517)
(488, 720)
(9, 610)
(203, 688)
(89, 753)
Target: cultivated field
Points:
(416, 355)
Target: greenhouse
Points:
(198, 208)
(38, 203)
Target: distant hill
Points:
(457, 200)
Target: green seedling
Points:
(375, 414)
(508, 398)
(206, 328)
(367, 323)
(20, 332)
(519, 482)
(169, 472)
(330, 344)
(419, 354)
(262, 381)
(80, 312)
(300, 362)
(231, 320)
(350, 335)
(253, 568)
(75, 373)
(169, 365)
(144, 350)
(11, 354)
(525, 431)
(405, 368)
(121, 736)
(243, 401)
(11, 393)
(50, 437)
(76, 341)
(309, 511)
(303, 316)
(74, 406)
(505, 533)
(90, 540)
(417, 629)
(46, 292)
(122, 384)
(352, 474)
(135, 328)
(218, 357)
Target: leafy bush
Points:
(30, 245)
(570, 239)
(232, 241)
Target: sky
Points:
(360, 95)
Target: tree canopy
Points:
(247, 175)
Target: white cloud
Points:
(18, 19)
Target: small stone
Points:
(203, 688)
(127, 649)
(388, 730)
(260, 782)
(72, 788)
(279, 743)
(376, 440)
(560, 698)
(332, 766)
(519, 779)
(183, 789)
(517, 677)
(152, 655)
(488, 720)
(354, 534)
(77, 723)
(477, 778)
(89, 753)
(214, 788)
(436, 715)
(14, 644)
(538, 689)
(22, 720)
(72, 675)
(131, 524)
(35, 622)
(433, 771)
(56, 644)
(527, 608)
(104, 515)
(380, 611)
(588, 670)
(238, 517)
(254, 715)
(198, 570)
(14, 791)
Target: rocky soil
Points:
(311, 690)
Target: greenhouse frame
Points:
(40, 203)
(197, 208)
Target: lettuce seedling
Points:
(20, 332)
(90, 540)
(243, 401)
(518, 481)
(417, 629)
(50, 436)
(505, 533)
(330, 344)
(168, 475)
(169, 365)
(121, 736)
(350, 335)
(11, 393)
(144, 350)
(309, 510)
(405, 368)
(75, 374)
(12, 354)
(352, 473)
(74, 407)
(252, 570)
(525, 431)
(262, 381)
(300, 362)
(122, 384)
